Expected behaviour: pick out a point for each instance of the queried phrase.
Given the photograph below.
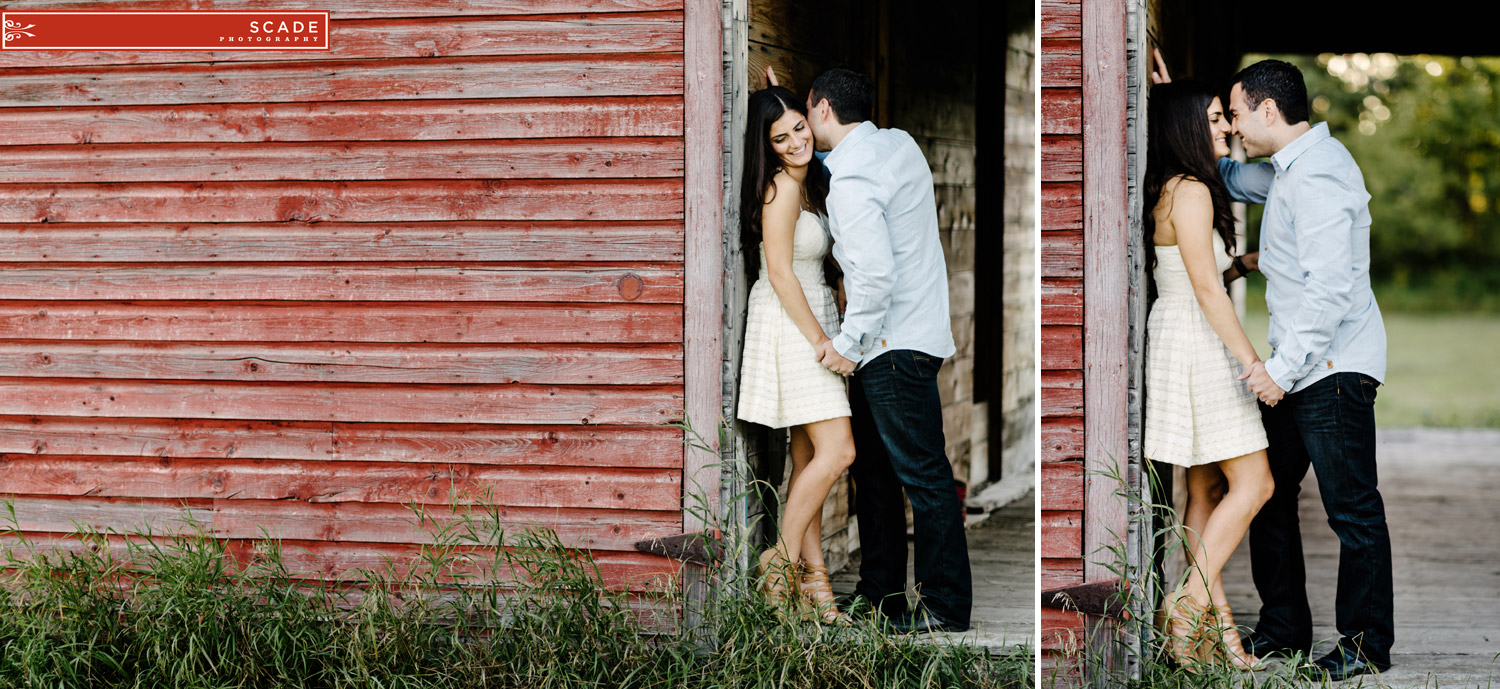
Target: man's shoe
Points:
(924, 622)
(1342, 663)
(860, 607)
(1262, 646)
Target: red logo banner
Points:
(164, 30)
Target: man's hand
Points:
(1260, 383)
(1159, 75)
(832, 360)
(1251, 260)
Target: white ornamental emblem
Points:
(14, 30)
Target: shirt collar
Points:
(861, 131)
(1289, 154)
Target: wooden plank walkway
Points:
(1440, 489)
(1002, 556)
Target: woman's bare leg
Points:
(833, 452)
(802, 454)
(1206, 488)
(1250, 486)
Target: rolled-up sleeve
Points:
(1247, 183)
(858, 201)
(1326, 212)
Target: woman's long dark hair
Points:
(1179, 144)
(761, 164)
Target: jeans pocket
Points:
(1366, 388)
(926, 366)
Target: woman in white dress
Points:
(792, 310)
(1198, 413)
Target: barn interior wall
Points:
(1017, 417)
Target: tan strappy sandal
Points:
(1225, 638)
(776, 577)
(1183, 629)
(817, 592)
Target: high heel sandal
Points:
(776, 581)
(1184, 630)
(1228, 647)
(817, 593)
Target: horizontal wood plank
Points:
(448, 242)
(356, 9)
(1065, 632)
(332, 521)
(1062, 63)
(1062, 206)
(507, 404)
(381, 201)
(1062, 439)
(1062, 301)
(276, 161)
(1062, 18)
(1062, 486)
(590, 446)
(332, 322)
(1062, 158)
(1061, 572)
(642, 283)
(559, 364)
(531, 76)
(321, 481)
(1061, 401)
(1062, 534)
(472, 36)
(1062, 254)
(414, 120)
(1062, 347)
(1062, 111)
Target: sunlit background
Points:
(1425, 131)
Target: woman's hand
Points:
(770, 77)
(1159, 75)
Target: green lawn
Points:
(1440, 368)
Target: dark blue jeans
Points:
(898, 439)
(1330, 426)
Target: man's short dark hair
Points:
(849, 93)
(1278, 81)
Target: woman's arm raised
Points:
(1192, 218)
(778, 225)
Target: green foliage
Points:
(480, 608)
(1426, 133)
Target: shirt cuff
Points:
(1277, 369)
(847, 347)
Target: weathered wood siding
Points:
(1018, 297)
(297, 291)
(1085, 290)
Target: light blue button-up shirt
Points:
(1315, 254)
(883, 217)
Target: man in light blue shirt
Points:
(1318, 388)
(896, 333)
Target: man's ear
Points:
(1273, 111)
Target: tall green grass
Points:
(483, 608)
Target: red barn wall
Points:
(297, 291)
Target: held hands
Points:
(832, 360)
(1260, 383)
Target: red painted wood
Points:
(1062, 19)
(581, 446)
(416, 38)
(349, 363)
(1061, 401)
(1063, 630)
(1062, 486)
(1062, 158)
(1062, 347)
(1062, 534)
(1105, 282)
(509, 404)
(416, 120)
(527, 76)
(322, 481)
(331, 521)
(1062, 207)
(1062, 301)
(1062, 63)
(703, 320)
(266, 161)
(357, 9)
(1062, 111)
(1062, 254)
(348, 282)
(1062, 439)
(346, 562)
(332, 322)
(383, 201)
(1061, 572)
(656, 242)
